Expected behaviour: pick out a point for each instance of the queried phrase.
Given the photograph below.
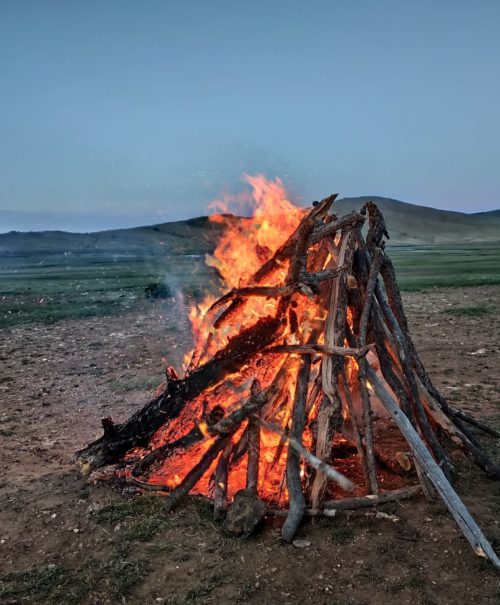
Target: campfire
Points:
(304, 394)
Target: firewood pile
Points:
(309, 358)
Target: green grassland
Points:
(51, 287)
(446, 265)
(47, 288)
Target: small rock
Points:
(301, 543)
(245, 514)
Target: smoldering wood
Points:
(252, 480)
(357, 435)
(221, 478)
(313, 349)
(314, 462)
(197, 472)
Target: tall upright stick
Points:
(297, 502)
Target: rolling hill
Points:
(407, 224)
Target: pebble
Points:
(301, 543)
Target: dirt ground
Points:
(64, 540)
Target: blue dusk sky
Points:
(117, 113)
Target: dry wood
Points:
(373, 500)
(313, 349)
(346, 391)
(335, 330)
(456, 434)
(410, 378)
(221, 478)
(253, 455)
(197, 472)
(353, 220)
(367, 422)
(475, 422)
(296, 498)
(312, 460)
(365, 397)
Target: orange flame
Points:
(246, 244)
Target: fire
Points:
(247, 243)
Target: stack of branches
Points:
(352, 279)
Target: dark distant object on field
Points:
(158, 291)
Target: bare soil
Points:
(65, 540)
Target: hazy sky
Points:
(116, 113)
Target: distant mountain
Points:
(407, 224)
(412, 224)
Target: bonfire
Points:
(304, 393)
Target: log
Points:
(373, 499)
(296, 499)
(365, 397)
(469, 527)
(197, 472)
(252, 481)
(335, 330)
(410, 378)
(314, 349)
(220, 490)
(357, 435)
(367, 422)
(475, 422)
(313, 461)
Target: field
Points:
(79, 341)
(52, 287)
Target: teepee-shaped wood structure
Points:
(271, 398)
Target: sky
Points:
(115, 113)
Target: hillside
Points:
(407, 224)
(412, 224)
